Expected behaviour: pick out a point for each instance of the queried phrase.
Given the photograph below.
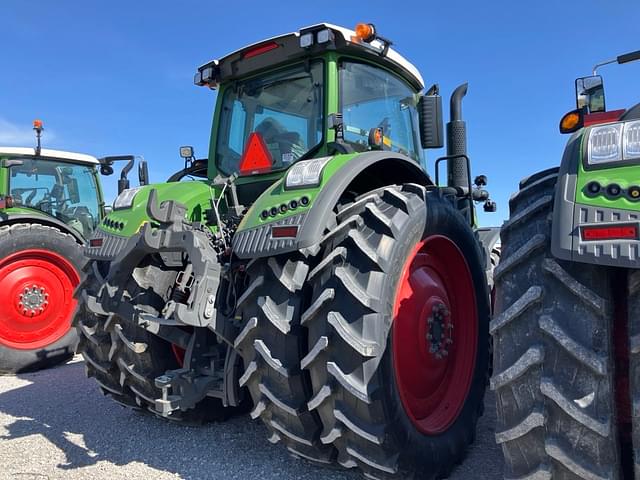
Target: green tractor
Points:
(50, 204)
(319, 276)
(567, 326)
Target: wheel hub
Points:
(33, 301)
(439, 331)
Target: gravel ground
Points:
(54, 424)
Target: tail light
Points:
(287, 231)
(610, 232)
(260, 49)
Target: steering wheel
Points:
(50, 201)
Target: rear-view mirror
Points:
(590, 94)
(430, 120)
(143, 173)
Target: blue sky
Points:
(116, 77)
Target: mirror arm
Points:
(602, 64)
(10, 162)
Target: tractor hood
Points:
(130, 208)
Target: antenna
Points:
(37, 126)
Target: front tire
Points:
(401, 265)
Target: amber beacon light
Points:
(365, 32)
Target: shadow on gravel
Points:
(85, 428)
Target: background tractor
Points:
(50, 203)
(567, 325)
(319, 274)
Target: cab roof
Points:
(62, 155)
(239, 63)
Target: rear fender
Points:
(7, 218)
(358, 175)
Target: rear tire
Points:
(633, 312)
(271, 343)
(125, 359)
(37, 255)
(372, 412)
(553, 351)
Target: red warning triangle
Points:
(256, 157)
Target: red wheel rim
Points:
(36, 294)
(178, 353)
(435, 312)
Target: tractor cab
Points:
(316, 93)
(56, 186)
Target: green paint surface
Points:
(196, 195)
(277, 195)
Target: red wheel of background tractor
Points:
(434, 334)
(39, 270)
(36, 291)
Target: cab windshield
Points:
(67, 191)
(283, 109)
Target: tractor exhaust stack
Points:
(457, 174)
